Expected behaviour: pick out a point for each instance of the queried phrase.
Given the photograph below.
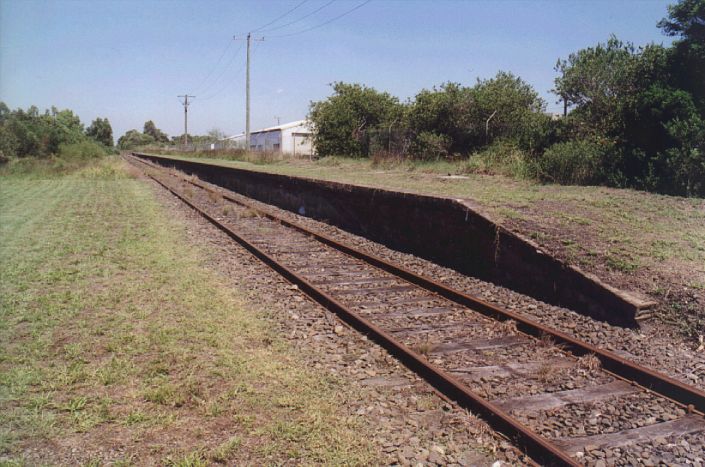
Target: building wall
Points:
(297, 141)
(293, 140)
(266, 141)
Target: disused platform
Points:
(447, 231)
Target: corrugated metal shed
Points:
(293, 138)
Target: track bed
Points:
(562, 401)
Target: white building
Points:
(294, 138)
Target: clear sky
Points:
(128, 60)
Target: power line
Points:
(225, 50)
(222, 73)
(279, 17)
(325, 22)
(226, 84)
(300, 19)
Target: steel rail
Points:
(684, 395)
(536, 447)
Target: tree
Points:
(596, 81)
(441, 120)
(341, 121)
(133, 139)
(467, 118)
(503, 105)
(64, 128)
(101, 131)
(686, 20)
(216, 134)
(157, 135)
(29, 133)
(634, 99)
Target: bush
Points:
(340, 122)
(504, 157)
(469, 118)
(432, 146)
(576, 162)
(133, 139)
(82, 151)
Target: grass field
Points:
(646, 243)
(118, 345)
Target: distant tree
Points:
(101, 131)
(64, 128)
(158, 135)
(8, 140)
(216, 134)
(340, 122)
(133, 139)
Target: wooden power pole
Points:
(249, 40)
(247, 96)
(185, 103)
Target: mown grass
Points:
(119, 345)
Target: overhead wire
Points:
(324, 23)
(227, 47)
(300, 19)
(227, 84)
(225, 50)
(280, 16)
(236, 54)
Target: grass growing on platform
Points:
(118, 345)
(643, 242)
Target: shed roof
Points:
(283, 126)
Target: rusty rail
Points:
(535, 446)
(657, 382)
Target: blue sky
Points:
(128, 60)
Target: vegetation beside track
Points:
(647, 243)
(120, 346)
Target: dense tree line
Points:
(153, 136)
(635, 117)
(31, 133)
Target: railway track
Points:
(562, 401)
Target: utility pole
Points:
(249, 39)
(185, 103)
(247, 97)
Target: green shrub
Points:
(341, 121)
(504, 157)
(578, 162)
(84, 150)
(432, 146)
